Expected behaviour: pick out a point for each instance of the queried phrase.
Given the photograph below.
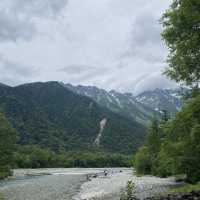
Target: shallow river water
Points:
(72, 184)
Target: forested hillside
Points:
(49, 115)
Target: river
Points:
(71, 184)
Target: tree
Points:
(8, 139)
(182, 35)
(180, 149)
(153, 138)
(142, 161)
(146, 157)
(191, 160)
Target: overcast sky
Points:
(113, 44)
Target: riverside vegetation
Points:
(173, 146)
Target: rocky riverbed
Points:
(72, 184)
(109, 188)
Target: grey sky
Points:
(113, 44)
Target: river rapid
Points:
(72, 184)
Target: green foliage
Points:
(142, 161)
(36, 157)
(179, 148)
(149, 152)
(1, 197)
(8, 138)
(182, 35)
(186, 188)
(129, 193)
(51, 116)
(153, 138)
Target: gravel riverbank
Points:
(72, 184)
(108, 188)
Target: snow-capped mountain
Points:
(122, 103)
(162, 99)
(141, 108)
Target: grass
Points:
(186, 188)
(1, 197)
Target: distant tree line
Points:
(31, 156)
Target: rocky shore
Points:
(194, 195)
(111, 186)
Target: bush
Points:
(129, 193)
(142, 161)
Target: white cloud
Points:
(112, 44)
(17, 17)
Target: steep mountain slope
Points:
(52, 116)
(123, 104)
(162, 99)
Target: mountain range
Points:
(52, 116)
(141, 108)
(83, 118)
(170, 100)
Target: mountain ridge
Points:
(49, 115)
(123, 104)
(138, 108)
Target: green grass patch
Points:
(186, 188)
(1, 197)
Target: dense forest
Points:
(173, 145)
(51, 116)
(36, 157)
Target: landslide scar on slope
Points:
(102, 124)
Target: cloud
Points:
(17, 17)
(38, 8)
(13, 28)
(76, 69)
(112, 44)
(13, 72)
(152, 81)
